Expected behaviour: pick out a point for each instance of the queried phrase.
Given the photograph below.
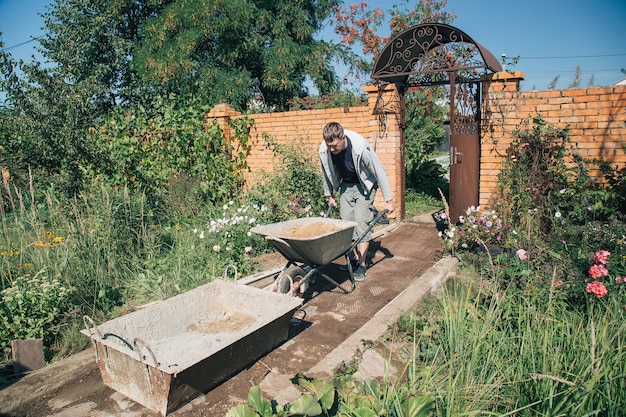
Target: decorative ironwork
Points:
(466, 110)
(427, 54)
(392, 106)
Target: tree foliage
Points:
(220, 50)
(359, 24)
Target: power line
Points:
(570, 57)
(23, 43)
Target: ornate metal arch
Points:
(426, 55)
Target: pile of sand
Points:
(310, 230)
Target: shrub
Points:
(162, 152)
(477, 228)
(32, 308)
(538, 166)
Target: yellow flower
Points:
(57, 239)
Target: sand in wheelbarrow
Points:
(310, 230)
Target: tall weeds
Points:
(507, 354)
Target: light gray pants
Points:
(354, 205)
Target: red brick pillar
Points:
(386, 104)
(222, 114)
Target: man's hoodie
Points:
(369, 169)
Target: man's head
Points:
(335, 138)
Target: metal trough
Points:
(170, 352)
(316, 250)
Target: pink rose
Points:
(597, 288)
(522, 254)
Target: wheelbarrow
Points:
(307, 256)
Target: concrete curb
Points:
(45, 381)
(378, 325)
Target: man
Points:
(351, 167)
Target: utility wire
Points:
(568, 57)
(23, 43)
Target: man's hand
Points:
(332, 202)
(390, 206)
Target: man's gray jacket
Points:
(368, 167)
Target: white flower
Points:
(249, 234)
(216, 248)
(195, 230)
(225, 207)
(202, 235)
(562, 191)
(557, 214)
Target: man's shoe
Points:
(345, 267)
(359, 273)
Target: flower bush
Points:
(478, 227)
(32, 308)
(605, 275)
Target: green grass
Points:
(512, 353)
(420, 203)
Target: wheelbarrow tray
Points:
(312, 250)
(170, 352)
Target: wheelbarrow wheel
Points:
(288, 279)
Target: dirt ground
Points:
(328, 318)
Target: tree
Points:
(359, 24)
(221, 50)
(210, 51)
(86, 73)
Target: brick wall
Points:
(303, 129)
(596, 117)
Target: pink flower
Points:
(557, 283)
(597, 288)
(216, 248)
(600, 257)
(598, 271)
(522, 254)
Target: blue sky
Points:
(551, 37)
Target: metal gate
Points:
(437, 54)
(464, 146)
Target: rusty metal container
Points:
(170, 352)
(319, 249)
